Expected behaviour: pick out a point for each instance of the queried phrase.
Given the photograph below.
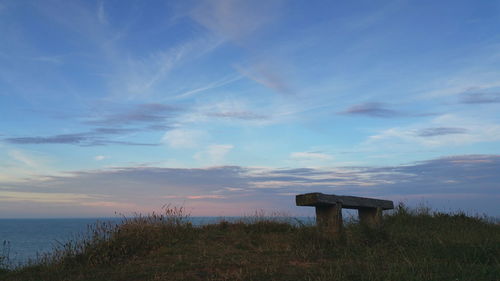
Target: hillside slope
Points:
(409, 246)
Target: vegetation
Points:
(411, 245)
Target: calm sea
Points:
(25, 239)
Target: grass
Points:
(411, 245)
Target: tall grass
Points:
(5, 256)
(107, 242)
(412, 244)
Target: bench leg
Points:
(370, 216)
(329, 218)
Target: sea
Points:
(25, 240)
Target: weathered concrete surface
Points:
(329, 218)
(348, 202)
(329, 209)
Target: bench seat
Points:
(348, 202)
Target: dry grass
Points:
(411, 245)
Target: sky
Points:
(231, 107)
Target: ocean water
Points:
(26, 239)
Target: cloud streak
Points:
(183, 138)
(480, 98)
(150, 114)
(214, 154)
(142, 117)
(82, 139)
(372, 109)
(56, 139)
(446, 130)
(268, 76)
(440, 131)
(242, 115)
(438, 179)
(310, 156)
(216, 84)
(235, 20)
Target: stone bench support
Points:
(370, 216)
(329, 209)
(330, 217)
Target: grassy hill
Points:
(411, 245)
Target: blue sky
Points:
(227, 107)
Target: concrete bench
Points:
(329, 209)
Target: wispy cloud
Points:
(228, 110)
(125, 72)
(42, 197)
(99, 157)
(439, 131)
(183, 138)
(240, 22)
(219, 83)
(244, 115)
(116, 142)
(235, 20)
(465, 83)
(58, 59)
(145, 73)
(81, 139)
(59, 139)
(23, 158)
(310, 156)
(480, 98)
(101, 13)
(214, 154)
(19, 163)
(269, 76)
(95, 137)
(149, 114)
(445, 130)
(195, 197)
(372, 109)
(144, 76)
(138, 118)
